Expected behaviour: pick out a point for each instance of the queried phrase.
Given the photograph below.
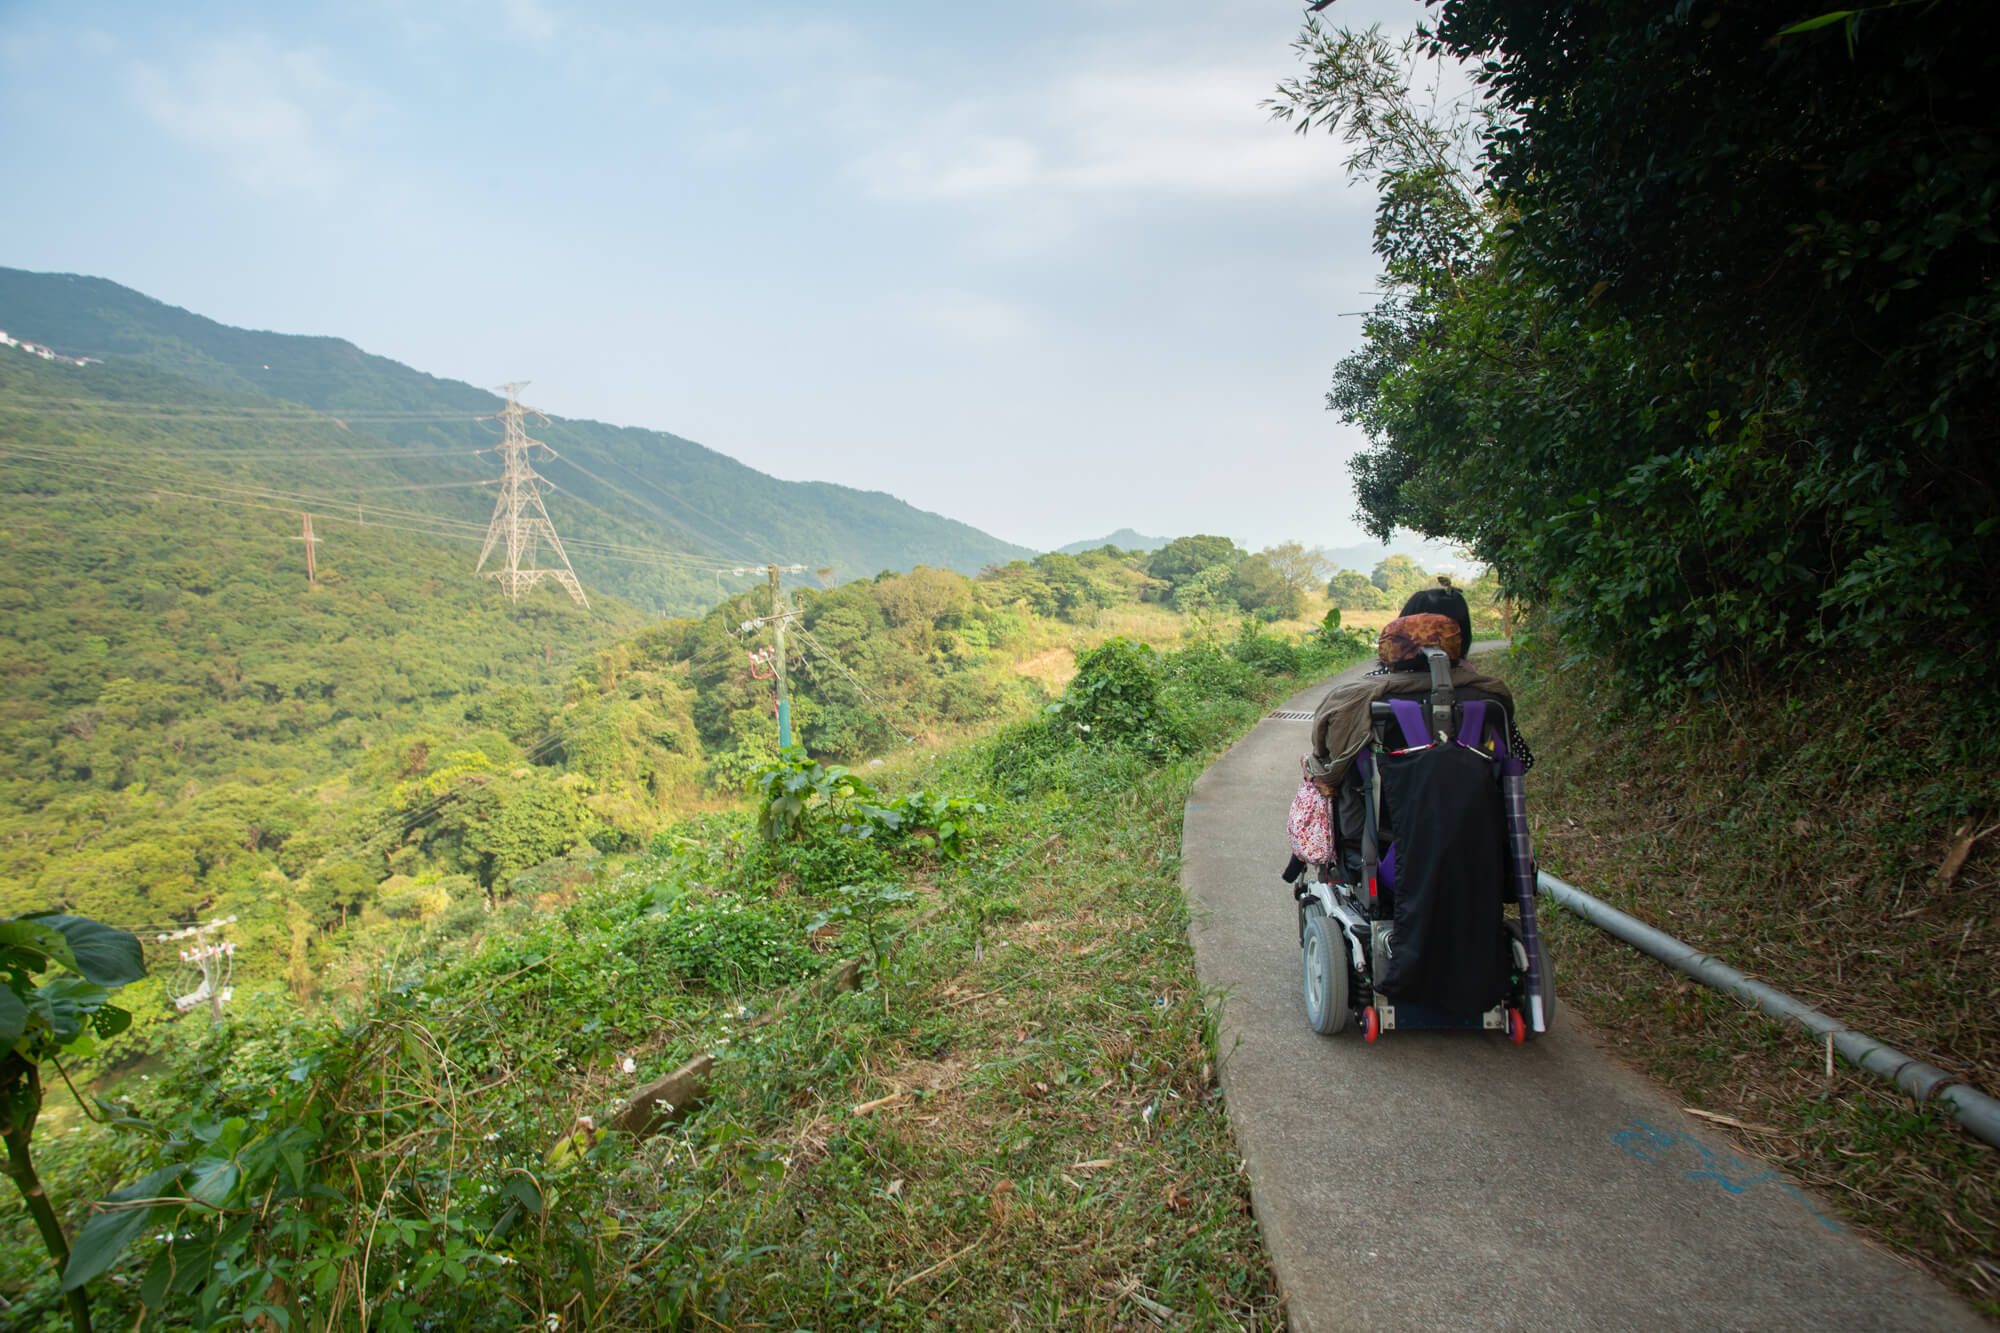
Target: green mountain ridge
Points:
(694, 509)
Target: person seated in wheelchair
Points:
(1413, 930)
(1342, 723)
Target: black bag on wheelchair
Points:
(1448, 864)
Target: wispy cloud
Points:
(1194, 132)
(274, 115)
(529, 19)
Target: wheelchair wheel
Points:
(1548, 984)
(1520, 956)
(1324, 959)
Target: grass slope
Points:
(1012, 1122)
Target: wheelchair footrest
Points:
(1402, 1014)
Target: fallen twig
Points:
(1730, 1121)
(945, 1262)
(896, 1098)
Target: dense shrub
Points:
(1263, 652)
(1020, 758)
(1115, 697)
(719, 940)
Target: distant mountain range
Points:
(1124, 539)
(1433, 557)
(650, 517)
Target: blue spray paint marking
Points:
(1660, 1146)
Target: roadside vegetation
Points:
(488, 868)
(1008, 1116)
(1839, 853)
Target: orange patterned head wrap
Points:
(1404, 640)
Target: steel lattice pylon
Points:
(520, 520)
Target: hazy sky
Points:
(1046, 267)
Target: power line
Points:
(840, 666)
(652, 509)
(334, 415)
(382, 516)
(519, 507)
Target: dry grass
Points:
(1053, 668)
(1144, 622)
(1366, 619)
(1806, 842)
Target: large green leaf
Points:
(37, 937)
(105, 1236)
(214, 1180)
(13, 1017)
(67, 1002)
(103, 954)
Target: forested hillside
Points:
(621, 488)
(193, 729)
(177, 705)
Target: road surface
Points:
(1449, 1180)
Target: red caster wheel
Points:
(1371, 1024)
(1517, 1027)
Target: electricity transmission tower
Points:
(519, 517)
(312, 568)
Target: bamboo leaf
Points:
(1823, 21)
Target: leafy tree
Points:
(1303, 569)
(1184, 557)
(1073, 595)
(923, 599)
(1351, 590)
(1398, 576)
(1259, 587)
(1206, 591)
(1718, 391)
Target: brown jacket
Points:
(1340, 723)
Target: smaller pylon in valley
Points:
(210, 956)
(520, 520)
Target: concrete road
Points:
(1450, 1180)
